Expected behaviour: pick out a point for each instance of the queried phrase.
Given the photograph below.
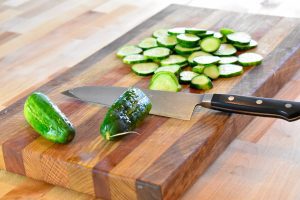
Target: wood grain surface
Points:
(25, 153)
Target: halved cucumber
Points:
(188, 40)
(251, 45)
(176, 30)
(230, 70)
(239, 38)
(250, 59)
(157, 53)
(128, 50)
(201, 82)
(184, 50)
(198, 69)
(164, 81)
(210, 44)
(196, 54)
(228, 60)
(206, 34)
(144, 69)
(169, 68)
(195, 31)
(169, 41)
(160, 33)
(225, 50)
(206, 60)
(211, 71)
(226, 31)
(148, 43)
(185, 77)
(134, 58)
(174, 60)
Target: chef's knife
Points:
(181, 105)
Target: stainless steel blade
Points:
(170, 104)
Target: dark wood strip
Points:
(6, 36)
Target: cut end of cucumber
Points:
(134, 58)
(128, 50)
(201, 82)
(144, 69)
(157, 53)
(169, 41)
(160, 33)
(230, 70)
(196, 54)
(185, 77)
(228, 60)
(174, 60)
(210, 44)
(206, 60)
(164, 81)
(225, 50)
(148, 43)
(250, 59)
(176, 30)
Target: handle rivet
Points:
(259, 101)
(288, 105)
(231, 98)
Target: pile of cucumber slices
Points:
(190, 56)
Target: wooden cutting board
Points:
(169, 154)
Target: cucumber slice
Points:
(185, 77)
(144, 69)
(210, 44)
(195, 31)
(251, 45)
(164, 81)
(198, 69)
(226, 31)
(206, 34)
(174, 60)
(250, 59)
(225, 50)
(185, 50)
(128, 50)
(167, 41)
(134, 58)
(175, 69)
(160, 33)
(228, 60)
(188, 40)
(201, 82)
(176, 30)
(212, 71)
(206, 60)
(239, 38)
(230, 70)
(157, 53)
(148, 43)
(196, 54)
(218, 35)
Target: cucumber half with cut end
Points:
(210, 44)
(230, 70)
(169, 41)
(185, 77)
(128, 50)
(196, 54)
(134, 58)
(250, 59)
(239, 38)
(251, 45)
(198, 69)
(164, 81)
(174, 60)
(188, 40)
(169, 68)
(185, 50)
(206, 60)
(176, 30)
(148, 43)
(144, 69)
(228, 60)
(195, 31)
(125, 114)
(225, 50)
(212, 71)
(160, 33)
(157, 53)
(201, 82)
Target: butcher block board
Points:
(169, 154)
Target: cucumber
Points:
(239, 38)
(47, 119)
(198, 69)
(176, 30)
(196, 54)
(125, 114)
(226, 31)
(206, 34)
(157, 53)
(169, 68)
(225, 50)
(134, 58)
(212, 71)
(195, 31)
(218, 35)
(251, 45)
(164, 81)
(184, 50)
(169, 41)
(206, 60)
(228, 60)
(188, 40)
(250, 59)
(201, 82)
(128, 50)
(174, 60)
(148, 43)
(160, 33)
(230, 70)
(144, 69)
(185, 77)
(210, 44)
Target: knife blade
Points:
(181, 105)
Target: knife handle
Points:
(265, 107)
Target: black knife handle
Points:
(266, 107)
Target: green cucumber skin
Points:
(47, 119)
(126, 113)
